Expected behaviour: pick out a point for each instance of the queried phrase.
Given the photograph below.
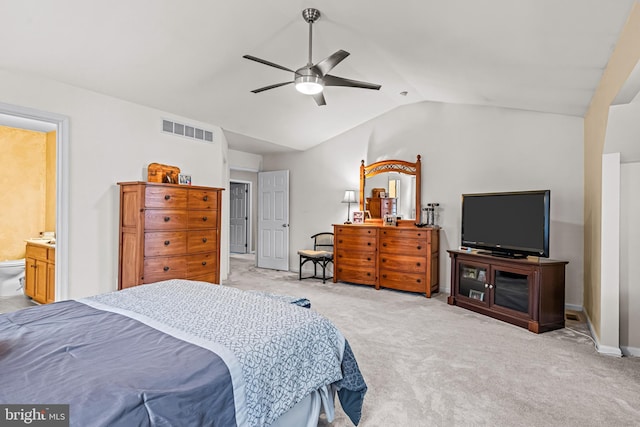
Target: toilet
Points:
(11, 277)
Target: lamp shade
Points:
(349, 196)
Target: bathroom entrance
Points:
(29, 216)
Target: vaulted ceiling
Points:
(185, 57)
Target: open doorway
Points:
(57, 125)
(240, 217)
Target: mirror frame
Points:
(399, 166)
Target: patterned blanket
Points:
(283, 351)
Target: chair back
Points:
(323, 242)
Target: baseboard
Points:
(630, 351)
(574, 307)
(602, 349)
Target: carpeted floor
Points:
(431, 364)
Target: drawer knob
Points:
(417, 264)
(368, 274)
(368, 258)
(204, 262)
(204, 240)
(384, 244)
(166, 268)
(418, 281)
(369, 244)
(340, 256)
(384, 260)
(167, 218)
(167, 197)
(419, 247)
(166, 242)
(205, 198)
(384, 276)
(340, 241)
(204, 218)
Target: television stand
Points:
(524, 292)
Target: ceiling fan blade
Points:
(262, 89)
(331, 61)
(265, 62)
(319, 98)
(330, 80)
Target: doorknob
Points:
(285, 225)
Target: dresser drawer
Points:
(408, 264)
(403, 281)
(203, 219)
(165, 197)
(165, 243)
(356, 243)
(203, 199)
(364, 276)
(211, 278)
(355, 259)
(164, 268)
(408, 246)
(202, 264)
(354, 230)
(404, 233)
(165, 219)
(202, 240)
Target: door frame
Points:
(250, 248)
(62, 187)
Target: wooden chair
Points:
(321, 255)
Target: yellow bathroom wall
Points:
(50, 213)
(23, 182)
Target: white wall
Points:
(629, 265)
(464, 149)
(112, 141)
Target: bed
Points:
(180, 352)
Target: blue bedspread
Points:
(175, 353)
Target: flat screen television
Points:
(512, 224)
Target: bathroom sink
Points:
(42, 241)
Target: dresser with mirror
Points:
(402, 256)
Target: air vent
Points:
(187, 131)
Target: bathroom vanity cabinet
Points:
(40, 272)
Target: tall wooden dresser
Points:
(404, 258)
(168, 231)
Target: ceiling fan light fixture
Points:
(309, 85)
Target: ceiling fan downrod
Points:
(310, 15)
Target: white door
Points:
(238, 218)
(273, 220)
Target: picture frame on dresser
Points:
(184, 179)
(358, 217)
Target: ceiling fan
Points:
(312, 78)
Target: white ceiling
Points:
(186, 57)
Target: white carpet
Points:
(427, 363)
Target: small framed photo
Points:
(358, 217)
(473, 294)
(390, 220)
(184, 179)
(367, 214)
(469, 272)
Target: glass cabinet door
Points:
(472, 282)
(511, 290)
